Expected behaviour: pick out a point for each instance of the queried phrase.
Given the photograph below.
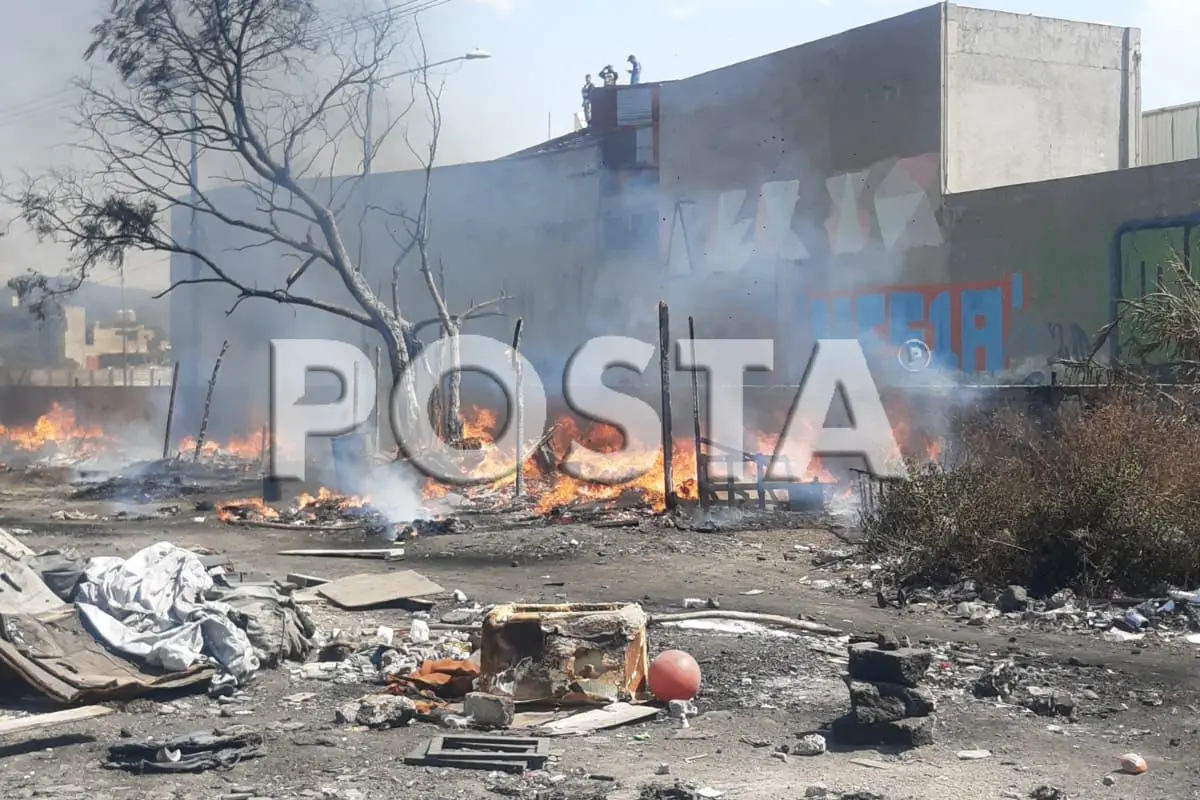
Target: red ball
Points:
(674, 675)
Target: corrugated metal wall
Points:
(1171, 134)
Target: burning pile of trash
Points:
(324, 509)
(550, 491)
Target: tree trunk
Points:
(453, 407)
(407, 405)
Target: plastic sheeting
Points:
(151, 607)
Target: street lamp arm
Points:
(474, 55)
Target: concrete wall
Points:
(523, 226)
(1171, 134)
(832, 156)
(1030, 98)
(1060, 252)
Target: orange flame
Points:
(553, 489)
(58, 430)
(252, 508)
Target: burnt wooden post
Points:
(664, 364)
(701, 464)
(519, 407)
(212, 385)
(170, 411)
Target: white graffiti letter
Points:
(728, 250)
(776, 207)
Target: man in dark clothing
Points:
(609, 75)
(587, 98)
(635, 71)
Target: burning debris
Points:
(324, 509)
(55, 439)
(552, 493)
(58, 439)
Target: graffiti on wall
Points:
(965, 325)
(889, 206)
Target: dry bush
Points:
(1096, 499)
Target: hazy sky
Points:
(541, 50)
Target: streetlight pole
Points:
(368, 123)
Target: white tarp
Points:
(152, 607)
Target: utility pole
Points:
(124, 332)
(193, 244)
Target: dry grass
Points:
(1096, 499)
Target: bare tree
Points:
(272, 89)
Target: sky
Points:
(540, 49)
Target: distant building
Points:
(65, 339)
(119, 343)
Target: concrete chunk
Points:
(906, 666)
(913, 732)
(488, 710)
(887, 702)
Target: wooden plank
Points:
(369, 589)
(385, 554)
(54, 718)
(597, 719)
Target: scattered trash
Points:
(1133, 764)
(568, 654)
(809, 745)
(973, 755)
(194, 752)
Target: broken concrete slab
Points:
(489, 710)
(887, 702)
(911, 732)
(384, 711)
(377, 589)
(905, 666)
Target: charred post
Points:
(212, 385)
(170, 411)
(664, 364)
(519, 407)
(701, 465)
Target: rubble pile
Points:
(888, 704)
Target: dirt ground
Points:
(759, 691)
